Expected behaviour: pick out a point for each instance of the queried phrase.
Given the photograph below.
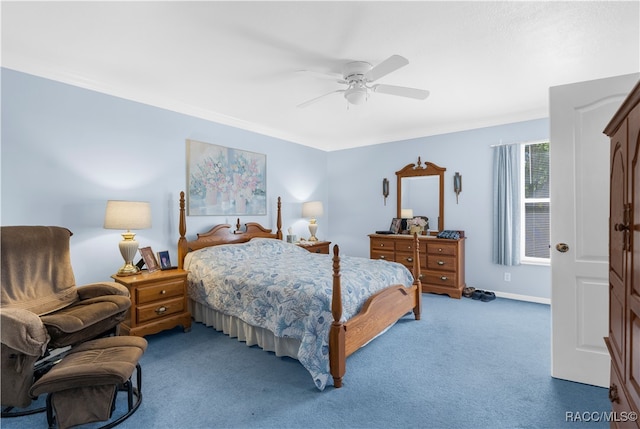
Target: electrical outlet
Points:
(507, 277)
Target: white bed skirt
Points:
(251, 335)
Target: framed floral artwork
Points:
(225, 181)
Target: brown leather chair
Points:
(42, 309)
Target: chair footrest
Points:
(82, 388)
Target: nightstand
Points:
(158, 302)
(315, 246)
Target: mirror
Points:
(421, 189)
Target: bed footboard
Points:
(378, 313)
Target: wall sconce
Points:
(385, 189)
(457, 185)
(127, 215)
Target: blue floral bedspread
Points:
(286, 289)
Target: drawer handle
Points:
(440, 262)
(161, 310)
(162, 292)
(382, 245)
(440, 249)
(382, 257)
(409, 259)
(318, 250)
(444, 278)
(613, 394)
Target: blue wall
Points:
(357, 206)
(66, 150)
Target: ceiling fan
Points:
(359, 76)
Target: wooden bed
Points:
(379, 312)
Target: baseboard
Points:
(527, 298)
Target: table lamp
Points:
(128, 215)
(311, 210)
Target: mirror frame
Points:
(416, 170)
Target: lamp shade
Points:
(312, 209)
(127, 215)
(406, 213)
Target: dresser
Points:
(623, 340)
(441, 260)
(158, 302)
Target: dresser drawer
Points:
(159, 309)
(407, 259)
(442, 248)
(404, 246)
(441, 263)
(160, 290)
(441, 260)
(382, 244)
(382, 254)
(440, 279)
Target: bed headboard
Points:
(222, 234)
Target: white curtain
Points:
(506, 205)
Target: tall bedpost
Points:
(416, 276)
(279, 220)
(337, 346)
(182, 241)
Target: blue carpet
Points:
(466, 364)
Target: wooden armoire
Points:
(623, 340)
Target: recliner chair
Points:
(42, 309)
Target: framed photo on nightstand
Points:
(163, 258)
(149, 259)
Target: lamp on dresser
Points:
(127, 215)
(311, 210)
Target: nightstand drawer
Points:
(162, 290)
(319, 248)
(315, 246)
(159, 310)
(158, 302)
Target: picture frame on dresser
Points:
(396, 224)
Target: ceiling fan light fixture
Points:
(359, 76)
(356, 94)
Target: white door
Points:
(579, 174)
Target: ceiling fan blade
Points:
(313, 100)
(393, 63)
(402, 91)
(333, 76)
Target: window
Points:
(534, 204)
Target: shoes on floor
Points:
(483, 295)
(488, 296)
(468, 291)
(477, 294)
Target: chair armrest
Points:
(23, 330)
(93, 290)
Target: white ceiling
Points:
(239, 63)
